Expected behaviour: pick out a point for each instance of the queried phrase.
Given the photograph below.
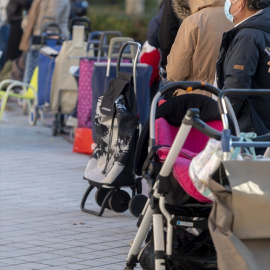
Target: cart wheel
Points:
(41, 115)
(54, 127)
(24, 106)
(119, 201)
(136, 204)
(100, 195)
(33, 116)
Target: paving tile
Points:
(41, 224)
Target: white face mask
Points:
(227, 7)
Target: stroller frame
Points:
(119, 198)
(155, 210)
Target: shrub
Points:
(108, 16)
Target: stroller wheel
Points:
(100, 195)
(54, 127)
(136, 204)
(119, 201)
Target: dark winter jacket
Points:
(14, 15)
(242, 63)
(153, 28)
(174, 11)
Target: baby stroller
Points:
(174, 222)
(110, 167)
(176, 234)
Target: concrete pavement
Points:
(41, 186)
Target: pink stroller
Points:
(175, 209)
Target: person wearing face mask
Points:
(242, 61)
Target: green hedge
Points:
(112, 17)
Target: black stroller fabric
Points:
(116, 124)
(174, 110)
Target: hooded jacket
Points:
(196, 47)
(242, 63)
(169, 25)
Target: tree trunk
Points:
(135, 6)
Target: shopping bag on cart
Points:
(240, 216)
(100, 83)
(46, 64)
(84, 109)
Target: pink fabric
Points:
(84, 109)
(195, 143)
(180, 173)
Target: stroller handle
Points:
(239, 92)
(223, 100)
(192, 118)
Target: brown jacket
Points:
(195, 50)
(31, 19)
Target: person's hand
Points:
(268, 65)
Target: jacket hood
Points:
(260, 22)
(184, 8)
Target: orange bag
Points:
(83, 141)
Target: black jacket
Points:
(14, 13)
(242, 64)
(153, 28)
(169, 26)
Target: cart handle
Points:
(113, 42)
(102, 44)
(135, 60)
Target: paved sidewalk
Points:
(41, 186)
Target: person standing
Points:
(40, 9)
(196, 47)
(15, 10)
(242, 61)
(174, 12)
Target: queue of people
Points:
(222, 43)
(22, 19)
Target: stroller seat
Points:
(194, 144)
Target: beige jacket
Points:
(195, 50)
